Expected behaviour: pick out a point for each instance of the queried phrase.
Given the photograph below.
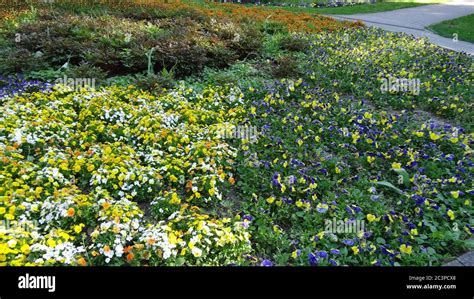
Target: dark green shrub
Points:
(86, 71)
(285, 67)
(294, 43)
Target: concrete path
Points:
(414, 20)
(466, 259)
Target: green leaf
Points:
(380, 240)
(282, 259)
(402, 173)
(300, 214)
(469, 244)
(180, 261)
(389, 185)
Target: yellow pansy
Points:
(355, 250)
(25, 249)
(396, 165)
(371, 217)
(212, 191)
(108, 150)
(271, 199)
(76, 168)
(51, 243)
(78, 228)
(405, 249)
(175, 199)
(451, 214)
(294, 254)
(419, 133)
(434, 136)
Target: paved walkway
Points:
(414, 20)
(466, 259)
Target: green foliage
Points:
(119, 45)
(294, 43)
(286, 66)
(461, 28)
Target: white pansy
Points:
(17, 136)
(119, 250)
(12, 243)
(196, 251)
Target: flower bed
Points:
(118, 37)
(82, 163)
(339, 160)
(330, 165)
(358, 62)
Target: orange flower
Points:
(231, 180)
(71, 212)
(82, 261)
(130, 257)
(164, 132)
(106, 205)
(189, 184)
(106, 248)
(151, 241)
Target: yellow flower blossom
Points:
(396, 165)
(434, 136)
(451, 214)
(371, 217)
(355, 250)
(405, 249)
(271, 199)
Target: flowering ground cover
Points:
(340, 158)
(74, 162)
(358, 62)
(234, 142)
